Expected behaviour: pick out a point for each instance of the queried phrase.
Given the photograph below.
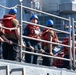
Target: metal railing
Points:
(65, 19)
(73, 38)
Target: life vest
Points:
(33, 31)
(58, 62)
(7, 22)
(45, 36)
(66, 42)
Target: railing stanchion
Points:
(70, 52)
(20, 31)
(73, 44)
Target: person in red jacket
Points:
(9, 21)
(66, 50)
(49, 35)
(58, 62)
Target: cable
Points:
(13, 28)
(39, 50)
(9, 7)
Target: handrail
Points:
(8, 7)
(46, 55)
(45, 41)
(44, 27)
(45, 13)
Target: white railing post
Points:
(20, 31)
(73, 42)
(70, 52)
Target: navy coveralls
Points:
(30, 58)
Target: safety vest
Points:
(7, 22)
(66, 42)
(45, 36)
(32, 31)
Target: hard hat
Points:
(34, 17)
(49, 23)
(14, 11)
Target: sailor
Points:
(34, 46)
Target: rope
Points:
(9, 28)
(38, 50)
(9, 7)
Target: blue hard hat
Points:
(34, 17)
(14, 11)
(49, 23)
